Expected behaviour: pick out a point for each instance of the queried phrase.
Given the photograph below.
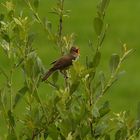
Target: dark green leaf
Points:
(84, 130)
(6, 37)
(20, 95)
(118, 135)
(104, 109)
(55, 77)
(11, 118)
(11, 14)
(36, 4)
(74, 86)
(1, 17)
(114, 61)
(96, 59)
(107, 137)
(98, 25)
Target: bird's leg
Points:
(64, 73)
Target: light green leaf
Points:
(96, 113)
(53, 132)
(102, 79)
(104, 4)
(98, 25)
(48, 25)
(114, 61)
(17, 21)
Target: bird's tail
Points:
(47, 74)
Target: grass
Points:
(124, 26)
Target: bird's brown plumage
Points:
(63, 62)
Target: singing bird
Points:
(63, 62)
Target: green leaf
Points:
(53, 132)
(9, 5)
(17, 21)
(1, 17)
(47, 24)
(11, 14)
(96, 59)
(11, 118)
(102, 79)
(104, 4)
(98, 25)
(66, 126)
(107, 137)
(114, 61)
(36, 4)
(6, 37)
(55, 77)
(74, 86)
(105, 109)
(20, 95)
(12, 136)
(118, 135)
(30, 39)
(102, 7)
(96, 112)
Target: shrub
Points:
(72, 110)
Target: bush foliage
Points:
(72, 111)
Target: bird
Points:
(63, 62)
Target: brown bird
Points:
(63, 62)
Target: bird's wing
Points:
(63, 62)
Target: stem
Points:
(10, 89)
(60, 29)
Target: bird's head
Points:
(75, 51)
